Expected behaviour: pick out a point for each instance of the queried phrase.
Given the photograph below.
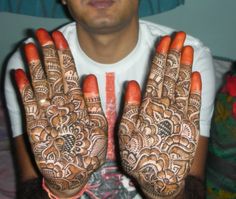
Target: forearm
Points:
(192, 188)
(25, 166)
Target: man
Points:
(158, 138)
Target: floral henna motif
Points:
(158, 137)
(67, 128)
(52, 68)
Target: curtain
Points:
(54, 9)
(151, 7)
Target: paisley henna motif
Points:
(158, 137)
(67, 130)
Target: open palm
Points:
(67, 128)
(158, 137)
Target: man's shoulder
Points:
(154, 30)
(67, 29)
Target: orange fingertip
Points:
(21, 79)
(90, 86)
(43, 37)
(196, 82)
(163, 45)
(178, 41)
(31, 52)
(187, 55)
(60, 41)
(133, 93)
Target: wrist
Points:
(68, 194)
(176, 194)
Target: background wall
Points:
(212, 21)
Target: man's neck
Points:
(109, 48)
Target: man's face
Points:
(103, 16)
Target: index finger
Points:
(51, 62)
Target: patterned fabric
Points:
(221, 166)
(54, 9)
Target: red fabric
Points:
(111, 114)
(231, 85)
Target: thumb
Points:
(93, 102)
(131, 107)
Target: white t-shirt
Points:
(109, 181)
(135, 66)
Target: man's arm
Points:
(199, 161)
(194, 183)
(30, 184)
(24, 162)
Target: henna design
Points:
(53, 70)
(68, 139)
(39, 80)
(154, 86)
(158, 138)
(171, 74)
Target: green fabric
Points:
(221, 165)
(223, 133)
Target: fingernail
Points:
(59, 40)
(163, 45)
(178, 41)
(196, 83)
(133, 93)
(43, 37)
(21, 79)
(187, 55)
(31, 52)
(90, 86)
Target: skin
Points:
(67, 128)
(108, 35)
(158, 136)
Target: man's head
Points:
(103, 16)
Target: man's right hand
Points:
(67, 128)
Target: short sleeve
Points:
(203, 63)
(12, 102)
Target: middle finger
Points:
(172, 66)
(51, 62)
